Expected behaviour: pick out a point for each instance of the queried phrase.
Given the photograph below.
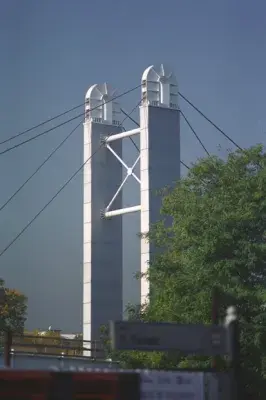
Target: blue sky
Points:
(51, 52)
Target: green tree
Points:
(13, 312)
(217, 237)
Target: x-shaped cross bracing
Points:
(130, 172)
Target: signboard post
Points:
(232, 325)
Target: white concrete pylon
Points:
(160, 153)
(102, 238)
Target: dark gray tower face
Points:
(102, 274)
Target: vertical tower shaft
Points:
(160, 152)
(102, 248)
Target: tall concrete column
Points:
(160, 151)
(102, 267)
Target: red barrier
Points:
(38, 385)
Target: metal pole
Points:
(2, 303)
(235, 362)
(2, 296)
(215, 316)
(233, 337)
(7, 348)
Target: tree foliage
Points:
(13, 312)
(217, 237)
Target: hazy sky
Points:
(51, 52)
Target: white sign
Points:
(165, 385)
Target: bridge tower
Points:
(102, 239)
(159, 158)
